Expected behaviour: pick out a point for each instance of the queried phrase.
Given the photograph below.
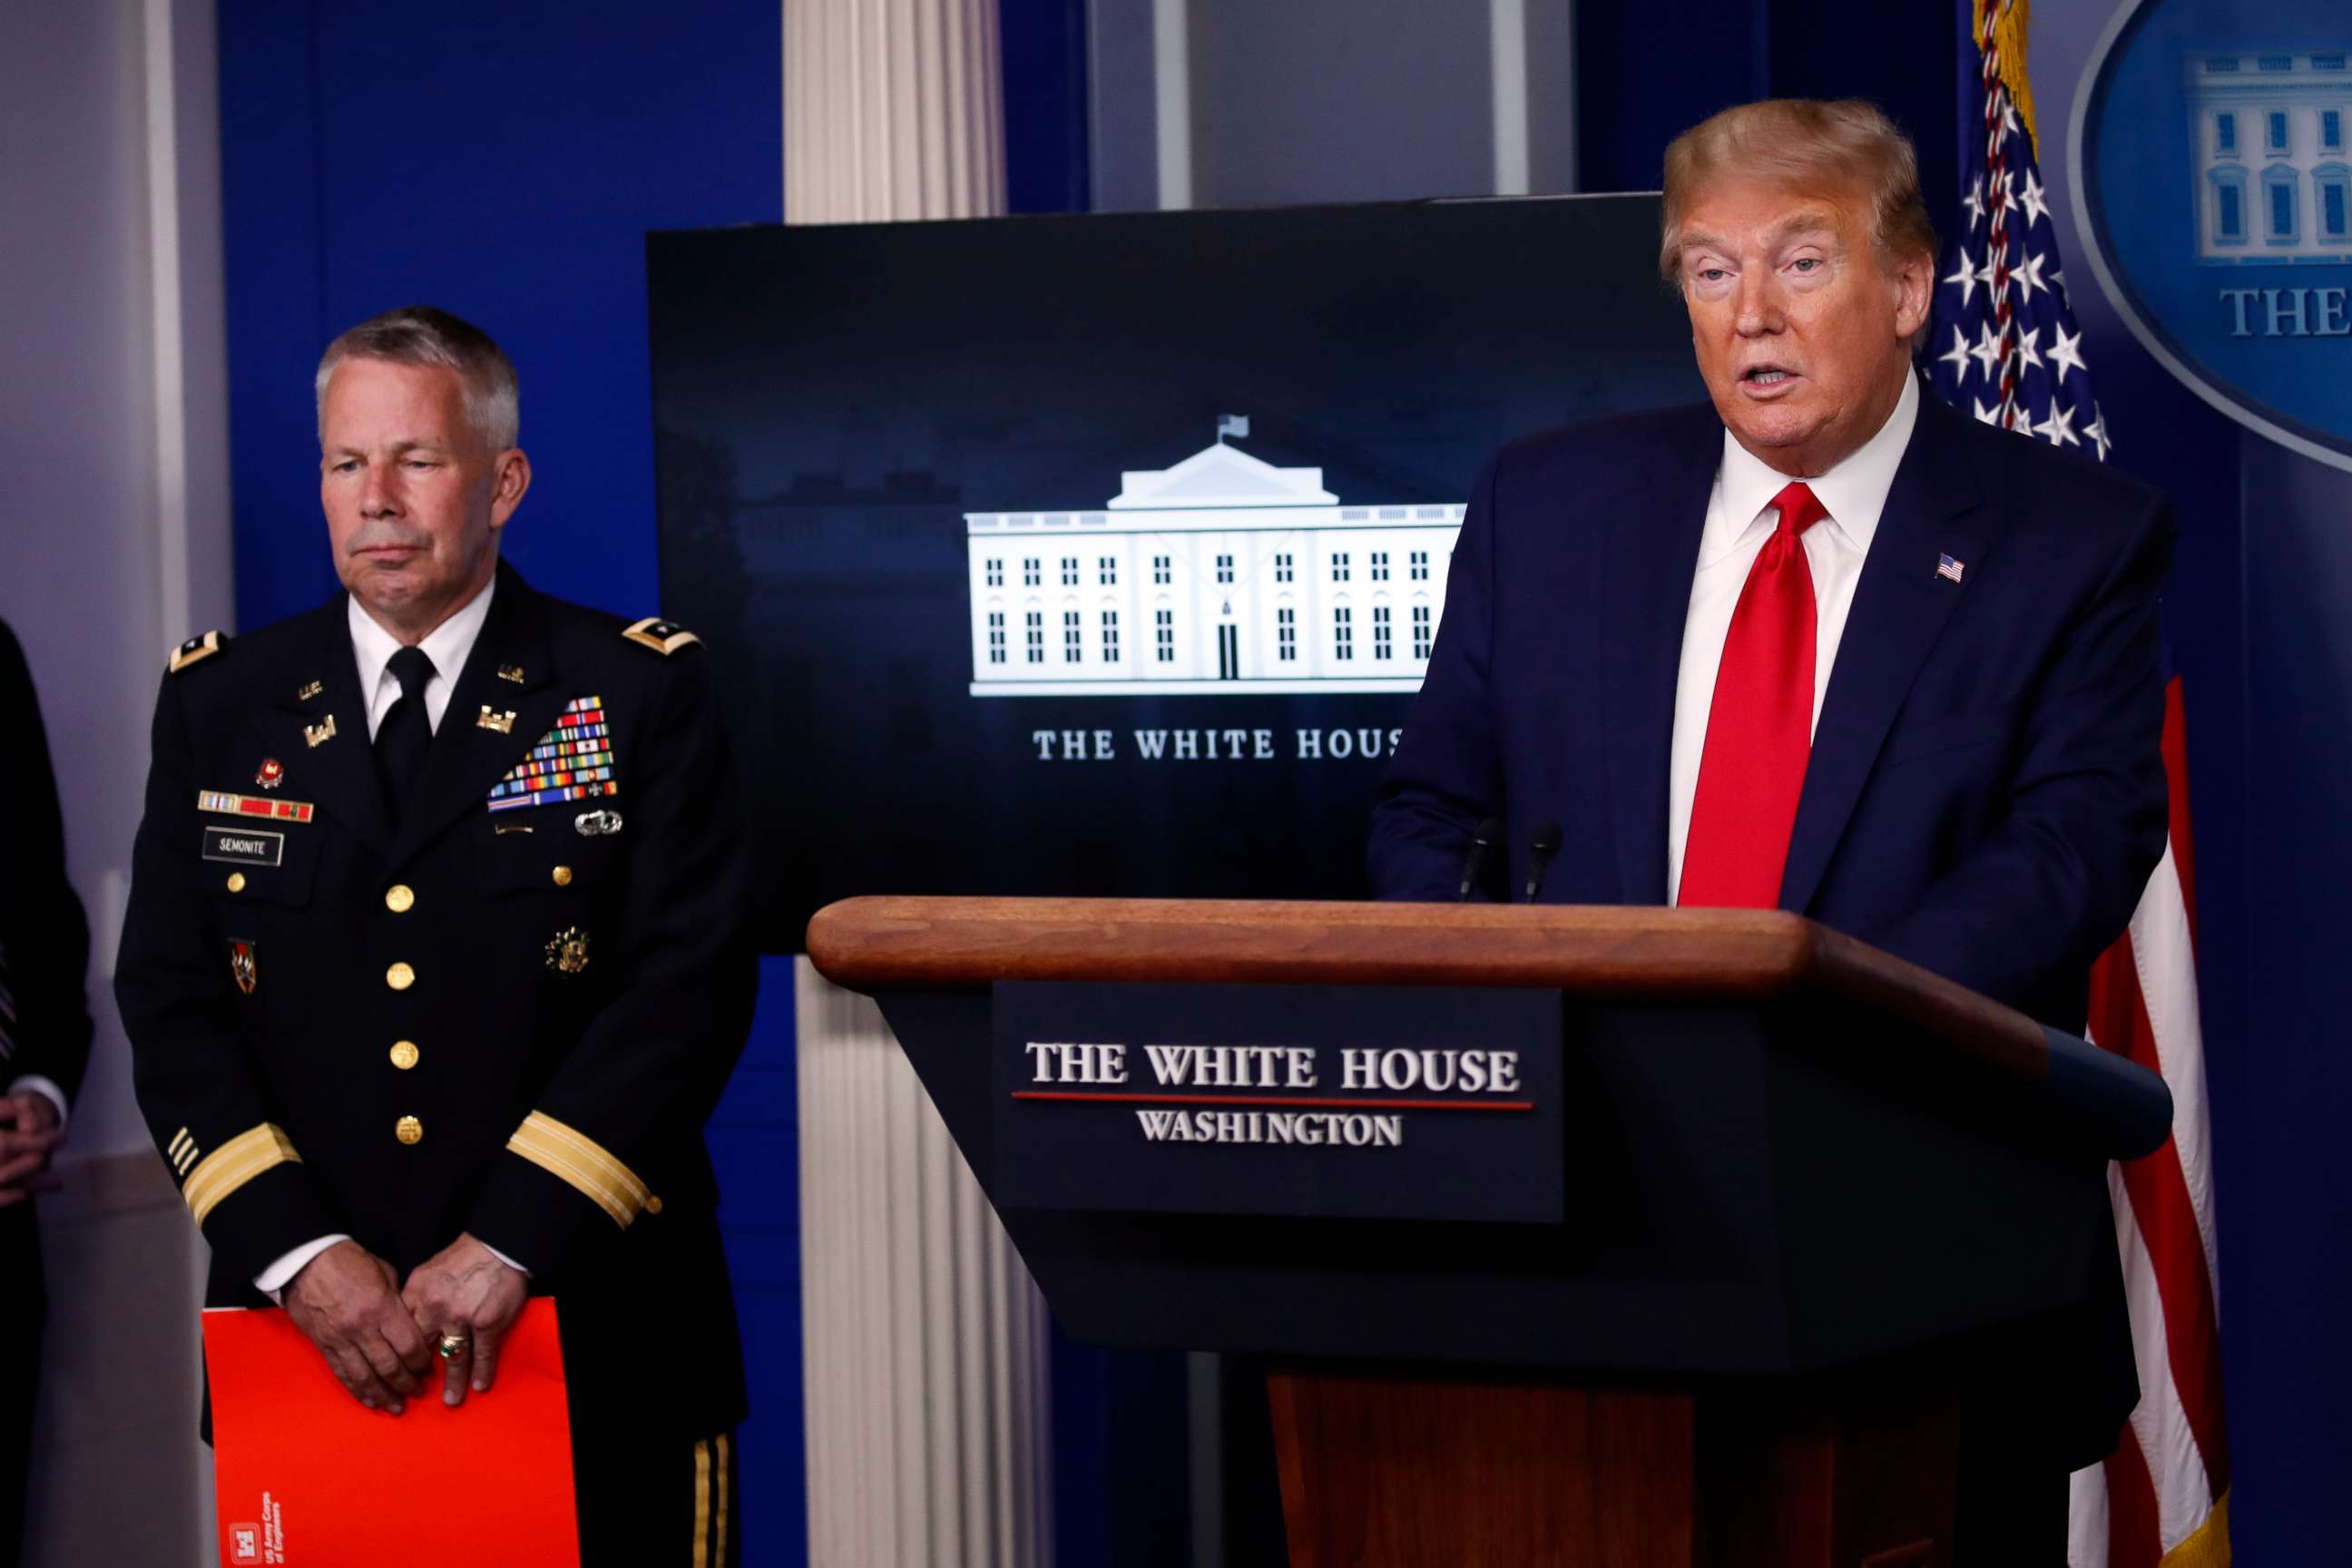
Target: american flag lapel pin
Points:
(1948, 569)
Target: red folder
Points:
(307, 1477)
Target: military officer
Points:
(435, 962)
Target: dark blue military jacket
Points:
(507, 1008)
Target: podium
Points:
(1625, 1236)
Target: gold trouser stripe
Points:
(702, 1505)
(574, 1157)
(234, 1164)
(719, 1546)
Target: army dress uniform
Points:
(504, 1004)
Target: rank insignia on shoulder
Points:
(195, 650)
(662, 636)
(571, 761)
(243, 964)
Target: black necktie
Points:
(402, 741)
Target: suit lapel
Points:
(338, 772)
(1900, 607)
(468, 756)
(1651, 553)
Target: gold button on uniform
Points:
(400, 977)
(404, 1054)
(408, 1130)
(652, 1206)
(563, 874)
(400, 898)
(236, 881)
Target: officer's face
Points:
(1800, 325)
(415, 497)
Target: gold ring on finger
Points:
(452, 1346)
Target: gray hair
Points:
(424, 336)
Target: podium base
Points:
(1854, 1471)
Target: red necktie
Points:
(1759, 730)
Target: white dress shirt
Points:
(1739, 518)
(448, 645)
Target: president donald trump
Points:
(1824, 644)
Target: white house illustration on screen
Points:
(1221, 575)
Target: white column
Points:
(924, 1338)
(928, 1380)
(893, 109)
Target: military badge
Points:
(511, 672)
(271, 773)
(309, 688)
(571, 761)
(241, 964)
(592, 822)
(228, 803)
(568, 953)
(491, 719)
(318, 734)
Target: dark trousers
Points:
(655, 1507)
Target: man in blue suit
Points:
(1825, 646)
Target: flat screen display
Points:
(1102, 555)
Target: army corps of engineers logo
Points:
(2212, 178)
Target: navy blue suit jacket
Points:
(1985, 795)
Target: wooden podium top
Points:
(1602, 953)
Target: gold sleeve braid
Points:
(233, 1164)
(573, 1157)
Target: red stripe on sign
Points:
(1280, 1100)
(2135, 1540)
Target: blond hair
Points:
(1806, 144)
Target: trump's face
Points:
(414, 495)
(1800, 325)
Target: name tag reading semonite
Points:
(243, 845)
(1307, 1100)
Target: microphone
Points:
(1540, 849)
(1482, 844)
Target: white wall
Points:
(113, 545)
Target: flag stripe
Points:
(2176, 777)
(2166, 1230)
(2159, 1426)
(2131, 1507)
(2163, 961)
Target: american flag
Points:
(2011, 353)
